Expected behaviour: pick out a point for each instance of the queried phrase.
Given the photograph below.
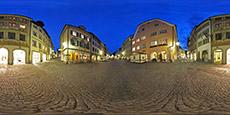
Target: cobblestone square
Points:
(115, 87)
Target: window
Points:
(22, 26)
(11, 35)
(40, 30)
(218, 36)
(227, 35)
(74, 42)
(163, 31)
(138, 40)
(78, 34)
(154, 33)
(133, 49)
(218, 25)
(227, 24)
(133, 42)
(40, 37)
(200, 44)
(156, 25)
(1, 17)
(143, 38)
(35, 33)
(164, 41)
(40, 46)
(34, 43)
(1, 35)
(138, 47)
(143, 29)
(153, 43)
(218, 19)
(82, 36)
(35, 27)
(143, 46)
(205, 41)
(73, 33)
(22, 37)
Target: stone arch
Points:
(205, 56)
(19, 56)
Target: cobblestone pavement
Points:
(115, 88)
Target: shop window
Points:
(218, 56)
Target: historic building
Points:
(155, 40)
(18, 44)
(98, 49)
(78, 45)
(210, 40)
(126, 48)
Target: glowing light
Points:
(36, 57)
(101, 52)
(19, 57)
(123, 53)
(228, 56)
(3, 56)
(74, 33)
(178, 43)
(64, 44)
(44, 57)
(22, 26)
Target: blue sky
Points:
(113, 20)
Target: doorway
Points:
(36, 57)
(218, 56)
(228, 56)
(19, 56)
(3, 56)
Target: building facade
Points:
(16, 41)
(210, 40)
(155, 40)
(126, 48)
(79, 45)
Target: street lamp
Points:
(177, 48)
(177, 43)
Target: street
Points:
(115, 87)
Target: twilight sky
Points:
(113, 20)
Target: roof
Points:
(16, 15)
(155, 19)
(151, 20)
